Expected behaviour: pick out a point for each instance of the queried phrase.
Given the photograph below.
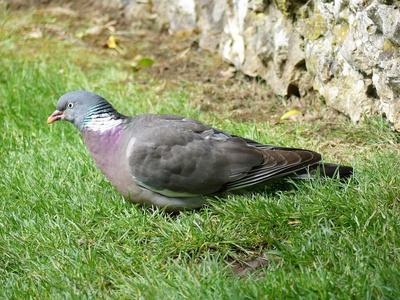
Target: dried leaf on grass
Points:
(290, 114)
(140, 61)
(112, 44)
(227, 74)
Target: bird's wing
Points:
(182, 157)
(280, 161)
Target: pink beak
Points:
(55, 116)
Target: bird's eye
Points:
(70, 105)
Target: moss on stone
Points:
(388, 45)
(340, 33)
(314, 27)
(283, 6)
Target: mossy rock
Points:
(340, 33)
(289, 7)
(313, 27)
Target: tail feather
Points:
(333, 170)
(324, 170)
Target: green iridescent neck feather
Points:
(102, 116)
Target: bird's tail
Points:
(333, 170)
(324, 170)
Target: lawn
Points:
(66, 233)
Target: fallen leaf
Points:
(290, 113)
(183, 53)
(140, 61)
(229, 73)
(111, 43)
(95, 30)
(145, 62)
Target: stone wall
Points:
(346, 50)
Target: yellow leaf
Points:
(111, 43)
(290, 113)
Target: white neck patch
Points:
(102, 122)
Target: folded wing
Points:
(182, 157)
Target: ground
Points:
(177, 61)
(66, 233)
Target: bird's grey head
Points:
(77, 107)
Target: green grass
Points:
(66, 233)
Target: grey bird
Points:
(175, 162)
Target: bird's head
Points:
(78, 107)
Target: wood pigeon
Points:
(174, 162)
